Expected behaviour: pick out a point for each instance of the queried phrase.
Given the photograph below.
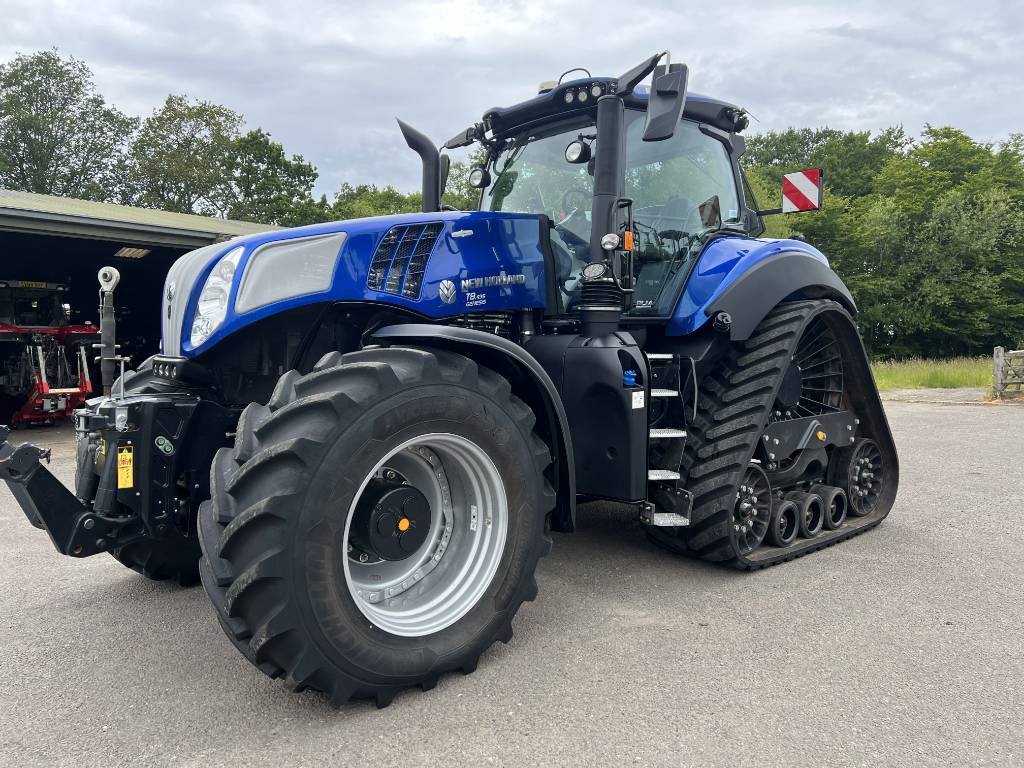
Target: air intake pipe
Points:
(601, 299)
(431, 160)
(608, 172)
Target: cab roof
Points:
(576, 96)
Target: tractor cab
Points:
(612, 159)
(682, 189)
(25, 304)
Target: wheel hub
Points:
(746, 507)
(391, 521)
(863, 477)
(791, 387)
(752, 513)
(448, 496)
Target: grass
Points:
(930, 374)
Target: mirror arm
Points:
(626, 83)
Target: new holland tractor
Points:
(360, 435)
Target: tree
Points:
(259, 182)
(929, 235)
(363, 200)
(458, 193)
(180, 155)
(57, 135)
(307, 211)
(850, 158)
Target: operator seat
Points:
(678, 214)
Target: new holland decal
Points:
(471, 287)
(472, 283)
(446, 291)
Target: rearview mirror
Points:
(665, 104)
(446, 164)
(801, 191)
(711, 213)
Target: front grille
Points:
(401, 259)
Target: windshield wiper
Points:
(513, 155)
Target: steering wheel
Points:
(574, 200)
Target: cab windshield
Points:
(30, 307)
(682, 189)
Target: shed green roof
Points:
(69, 217)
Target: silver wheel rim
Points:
(447, 575)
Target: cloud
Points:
(328, 78)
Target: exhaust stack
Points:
(431, 160)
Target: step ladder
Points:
(663, 481)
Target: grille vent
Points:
(401, 259)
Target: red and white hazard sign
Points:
(801, 191)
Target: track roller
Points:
(810, 512)
(836, 505)
(785, 523)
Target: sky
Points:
(327, 79)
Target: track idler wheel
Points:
(753, 511)
(836, 505)
(810, 512)
(858, 470)
(785, 523)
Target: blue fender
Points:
(746, 277)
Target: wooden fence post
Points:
(997, 371)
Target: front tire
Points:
(377, 523)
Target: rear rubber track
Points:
(733, 407)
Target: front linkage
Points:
(142, 470)
(143, 458)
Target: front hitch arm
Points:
(74, 529)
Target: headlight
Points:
(213, 300)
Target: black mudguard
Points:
(540, 393)
(768, 283)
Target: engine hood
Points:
(435, 265)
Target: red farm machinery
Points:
(44, 370)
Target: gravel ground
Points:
(898, 647)
(955, 396)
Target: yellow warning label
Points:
(125, 466)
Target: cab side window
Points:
(682, 188)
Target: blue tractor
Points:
(360, 435)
